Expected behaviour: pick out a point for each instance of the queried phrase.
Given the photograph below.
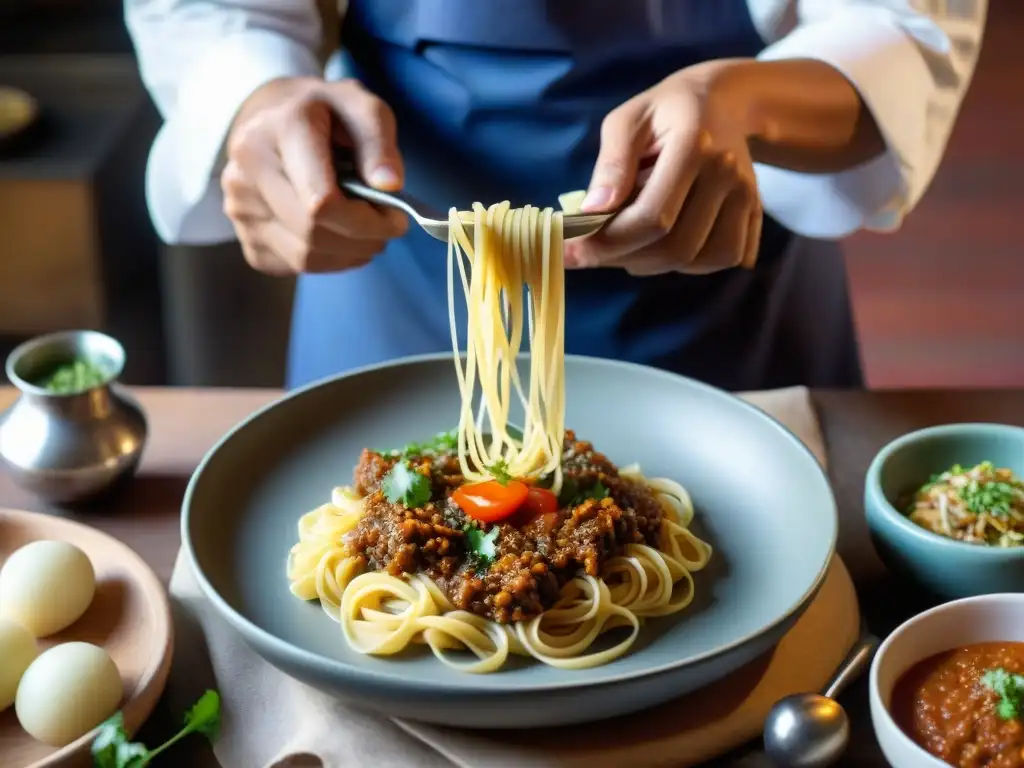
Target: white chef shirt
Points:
(911, 61)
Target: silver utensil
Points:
(807, 730)
(70, 447)
(435, 222)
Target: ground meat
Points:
(585, 467)
(443, 470)
(533, 559)
(582, 463)
(398, 540)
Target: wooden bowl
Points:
(130, 617)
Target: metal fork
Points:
(434, 222)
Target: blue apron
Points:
(503, 100)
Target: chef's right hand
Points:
(280, 188)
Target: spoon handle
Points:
(852, 666)
(348, 179)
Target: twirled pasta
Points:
(511, 248)
(513, 280)
(383, 615)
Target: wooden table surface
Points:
(185, 423)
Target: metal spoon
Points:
(807, 730)
(434, 222)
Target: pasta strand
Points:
(382, 614)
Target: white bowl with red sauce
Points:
(952, 645)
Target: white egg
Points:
(18, 649)
(66, 692)
(46, 586)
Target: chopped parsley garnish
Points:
(980, 496)
(995, 498)
(499, 471)
(1009, 687)
(74, 377)
(570, 490)
(406, 486)
(442, 442)
(573, 496)
(482, 547)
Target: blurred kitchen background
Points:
(940, 304)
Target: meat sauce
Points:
(532, 558)
(952, 704)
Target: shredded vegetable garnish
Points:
(982, 504)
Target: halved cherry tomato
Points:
(540, 501)
(540, 504)
(491, 501)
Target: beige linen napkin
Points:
(273, 721)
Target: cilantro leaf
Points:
(499, 471)
(445, 442)
(105, 746)
(406, 486)
(131, 754)
(442, 442)
(1010, 689)
(204, 717)
(995, 679)
(1008, 709)
(572, 495)
(113, 749)
(570, 490)
(482, 547)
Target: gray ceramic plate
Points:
(762, 501)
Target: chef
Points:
(741, 140)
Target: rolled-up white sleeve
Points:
(200, 59)
(911, 64)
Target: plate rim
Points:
(303, 658)
(156, 672)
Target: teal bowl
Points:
(948, 568)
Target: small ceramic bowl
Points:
(946, 567)
(983, 619)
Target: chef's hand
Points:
(280, 188)
(683, 145)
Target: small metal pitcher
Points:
(67, 448)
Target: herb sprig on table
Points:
(113, 749)
(1010, 689)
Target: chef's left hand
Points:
(683, 145)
